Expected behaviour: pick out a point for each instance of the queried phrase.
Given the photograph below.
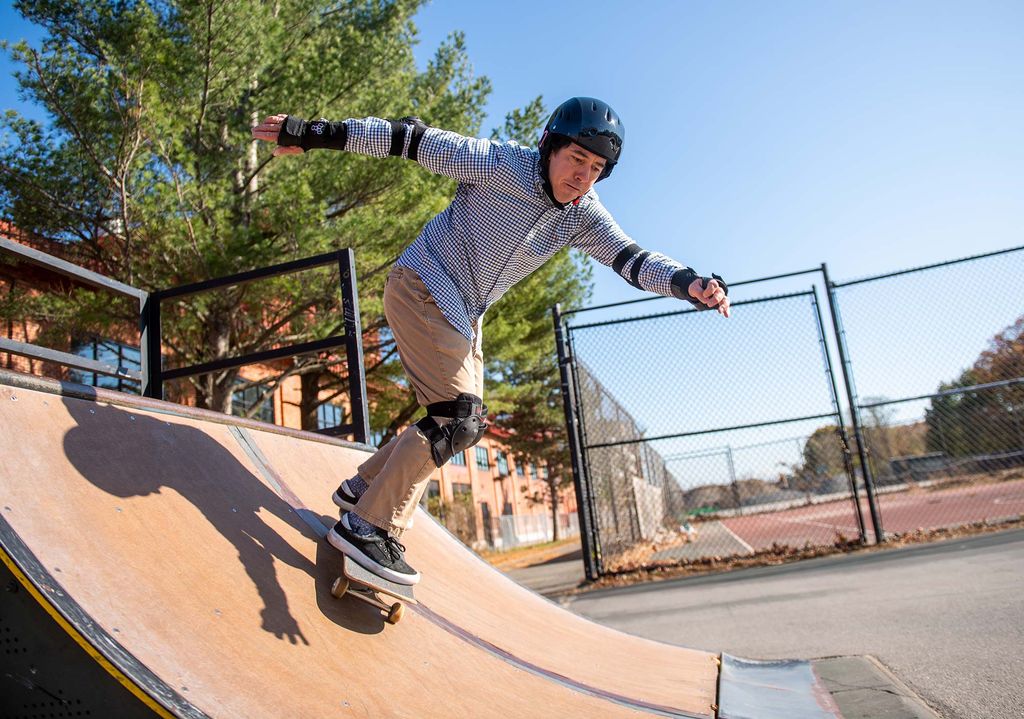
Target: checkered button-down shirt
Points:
(502, 224)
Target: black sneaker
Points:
(379, 552)
(345, 497)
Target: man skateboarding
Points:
(514, 208)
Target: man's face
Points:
(573, 171)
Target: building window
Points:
(520, 469)
(544, 472)
(244, 400)
(329, 415)
(502, 460)
(483, 460)
(461, 490)
(459, 459)
(533, 471)
(111, 353)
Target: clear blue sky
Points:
(764, 137)
(767, 137)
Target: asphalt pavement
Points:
(946, 619)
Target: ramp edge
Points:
(63, 388)
(106, 651)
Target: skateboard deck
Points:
(367, 586)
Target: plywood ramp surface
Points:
(193, 541)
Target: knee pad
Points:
(465, 428)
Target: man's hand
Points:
(269, 130)
(711, 295)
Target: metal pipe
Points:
(255, 358)
(354, 347)
(264, 273)
(662, 297)
(929, 267)
(840, 425)
(687, 311)
(583, 498)
(844, 361)
(63, 267)
(66, 359)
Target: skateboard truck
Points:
(366, 586)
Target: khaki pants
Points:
(440, 364)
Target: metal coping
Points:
(780, 689)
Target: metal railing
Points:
(153, 375)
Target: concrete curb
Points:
(865, 689)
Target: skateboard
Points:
(367, 586)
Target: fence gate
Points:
(696, 437)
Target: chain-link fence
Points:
(704, 439)
(697, 438)
(939, 359)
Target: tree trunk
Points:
(214, 391)
(310, 400)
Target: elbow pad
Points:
(622, 259)
(398, 137)
(316, 135)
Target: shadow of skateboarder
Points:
(128, 454)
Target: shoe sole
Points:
(352, 552)
(343, 503)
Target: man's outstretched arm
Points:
(607, 243)
(443, 152)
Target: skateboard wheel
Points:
(395, 613)
(339, 587)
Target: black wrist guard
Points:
(316, 135)
(682, 280)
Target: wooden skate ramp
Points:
(182, 550)
(187, 544)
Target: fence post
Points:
(843, 437)
(149, 346)
(583, 498)
(581, 449)
(354, 347)
(844, 361)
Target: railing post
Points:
(844, 361)
(583, 499)
(354, 347)
(149, 346)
